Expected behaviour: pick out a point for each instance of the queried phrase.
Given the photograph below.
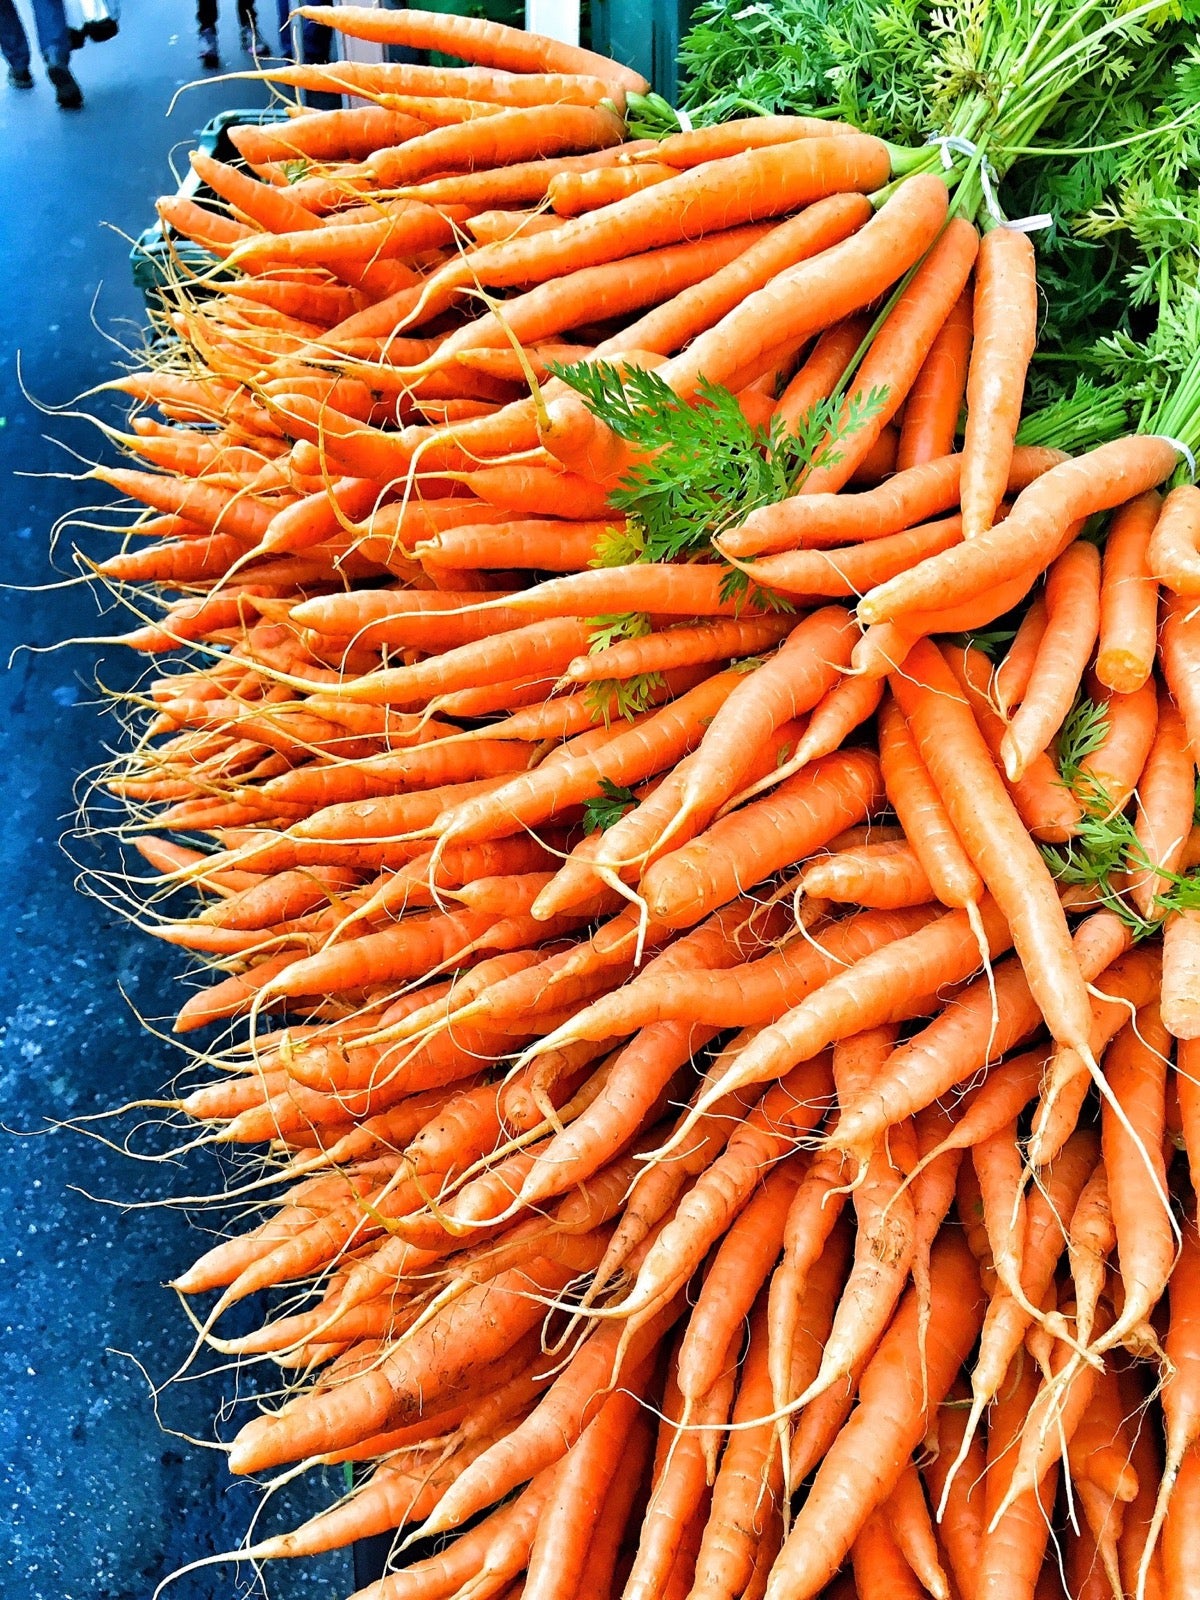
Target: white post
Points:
(360, 49)
(559, 19)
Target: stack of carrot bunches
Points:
(713, 1147)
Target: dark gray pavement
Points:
(96, 1501)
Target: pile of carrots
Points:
(715, 1141)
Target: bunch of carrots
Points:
(713, 1031)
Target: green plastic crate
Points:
(153, 261)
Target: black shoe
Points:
(209, 58)
(20, 77)
(76, 38)
(66, 91)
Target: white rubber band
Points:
(685, 121)
(1189, 458)
(946, 142)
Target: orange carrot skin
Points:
(1072, 623)
(809, 809)
(1181, 1548)
(1179, 654)
(1181, 974)
(820, 373)
(897, 350)
(931, 411)
(995, 838)
(1005, 323)
(865, 1461)
(490, 44)
(749, 187)
(812, 522)
(1031, 535)
(1173, 555)
(1128, 597)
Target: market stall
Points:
(668, 580)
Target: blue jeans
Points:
(51, 23)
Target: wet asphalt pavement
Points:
(97, 1500)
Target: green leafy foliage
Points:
(1106, 847)
(609, 630)
(609, 806)
(624, 697)
(873, 65)
(707, 467)
(1081, 735)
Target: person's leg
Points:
(51, 20)
(206, 28)
(14, 45)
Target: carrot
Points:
(742, 1262)
(816, 228)
(1046, 806)
(792, 681)
(754, 991)
(885, 1242)
(322, 135)
(1181, 966)
(1072, 621)
(1013, 1546)
(216, 510)
(399, 229)
(1135, 1545)
(1128, 597)
(1098, 1456)
(1180, 1396)
(883, 875)
(748, 1482)
(490, 44)
(409, 1378)
(1179, 1532)
(911, 497)
(677, 647)
(1005, 330)
(1179, 642)
(677, 1490)
(883, 987)
(810, 809)
(935, 399)
(1110, 774)
(880, 1566)
(848, 569)
(572, 193)
(958, 1500)
(1173, 554)
(529, 133)
(897, 351)
(952, 747)
(1131, 982)
(606, 1553)
(560, 1546)
(544, 647)
(750, 187)
(1135, 1067)
(822, 370)
(868, 1456)
(1030, 535)
(548, 1432)
(808, 298)
(600, 293)
(790, 1108)
(915, 800)
(912, 1530)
